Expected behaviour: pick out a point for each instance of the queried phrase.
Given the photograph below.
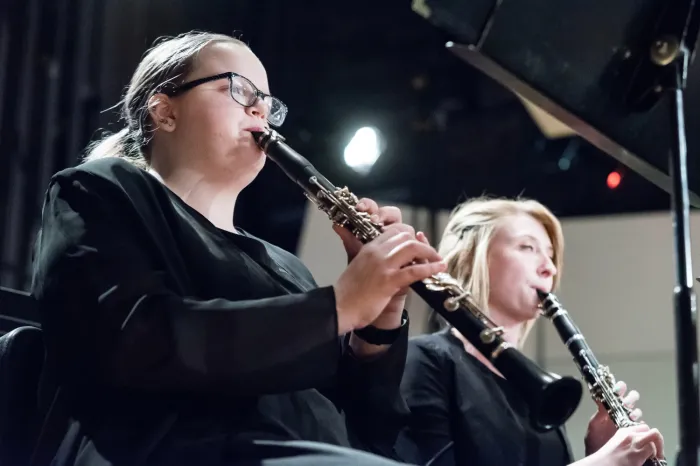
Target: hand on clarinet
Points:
(603, 435)
(601, 428)
(629, 446)
(386, 215)
(373, 288)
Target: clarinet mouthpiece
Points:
(257, 135)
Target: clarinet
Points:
(598, 377)
(553, 399)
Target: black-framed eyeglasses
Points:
(242, 91)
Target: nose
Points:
(547, 268)
(259, 109)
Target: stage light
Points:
(614, 179)
(364, 149)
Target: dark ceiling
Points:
(451, 132)
(342, 65)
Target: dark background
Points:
(451, 132)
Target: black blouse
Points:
(464, 414)
(173, 338)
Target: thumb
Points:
(422, 238)
(345, 235)
(601, 412)
(351, 244)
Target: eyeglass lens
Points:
(245, 93)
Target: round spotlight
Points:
(364, 149)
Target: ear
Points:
(161, 108)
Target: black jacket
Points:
(174, 339)
(455, 398)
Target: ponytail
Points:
(168, 60)
(121, 145)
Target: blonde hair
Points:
(167, 63)
(467, 238)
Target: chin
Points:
(529, 313)
(242, 167)
(534, 314)
(259, 158)
(248, 155)
(255, 154)
(259, 152)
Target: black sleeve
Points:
(375, 411)
(567, 444)
(94, 270)
(426, 386)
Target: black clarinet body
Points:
(552, 399)
(600, 381)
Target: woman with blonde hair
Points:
(464, 412)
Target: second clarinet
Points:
(600, 380)
(552, 399)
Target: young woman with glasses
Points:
(180, 339)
